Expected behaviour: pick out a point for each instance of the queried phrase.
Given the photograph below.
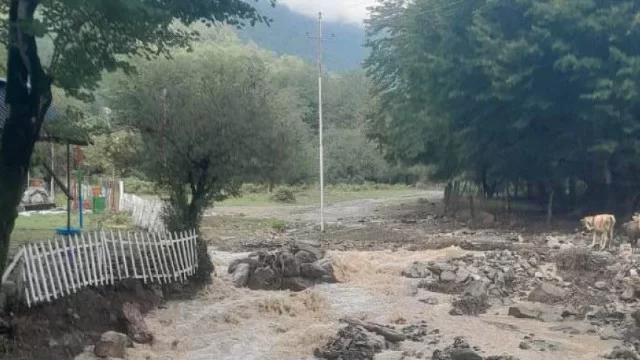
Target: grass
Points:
(37, 227)
(333, 193)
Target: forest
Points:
(528, 98)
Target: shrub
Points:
(277, 225)
(284, 195)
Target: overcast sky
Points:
(347, 11)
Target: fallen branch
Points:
(387, 333)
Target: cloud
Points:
(347, 11)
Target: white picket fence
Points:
(146, 213)
(56, 268)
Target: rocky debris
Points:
(460, 350)
(583, 259)
(112, 344)
(547, 293)
(625, 353)
(352, 343)
(522, 312)
(417, 270)
(473, 301)
(530, 343)
(136, 326)
(505, 272)
(296, 268)
(388, 333)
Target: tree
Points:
(88, 38)
(504, 92)
(207, 120)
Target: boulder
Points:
(464, 354)
(252, 262)
(317, 270)
(290, 266)
(296, 283)
(305, 257)
(447, 276)
(136, 326)
(112, 344)
(547, 293)
(417, 270)
(522, 312)
(262, 278)
(240, 276)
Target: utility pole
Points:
(319, 39)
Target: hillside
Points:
(288, 35)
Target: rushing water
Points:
(228, 323)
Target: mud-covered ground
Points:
(402, 265)
(419, 285)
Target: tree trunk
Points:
(27, 104)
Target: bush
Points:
(277, 225)
(137, 186)
(251, 188)
(284, 195)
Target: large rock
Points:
(473, 301)
(240, 276)
(417, 270)
(252, 262)
(522, 312)
(321, 269)
(352, 343)
(262, 278)
(136, 326)
(547, 293)
(290, 266)
(112, 344)
(296, 283)
(464, 354)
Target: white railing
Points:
(146, 213)
(56, 268)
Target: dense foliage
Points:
(537, 93)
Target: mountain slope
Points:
(287, 34)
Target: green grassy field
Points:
(333, 193)
(38, 227)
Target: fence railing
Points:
(146, 213)
(59, 267)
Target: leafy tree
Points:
(89, 37)
(505, 92)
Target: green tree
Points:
(505, 92)
(88, 38)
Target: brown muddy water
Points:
(226, 323)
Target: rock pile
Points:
(504, 273)
(295, 268)
(461, 350)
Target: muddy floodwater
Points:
(229, 323)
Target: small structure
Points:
(55, 130)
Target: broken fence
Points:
(48, 270)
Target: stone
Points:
(296, 283)
(438, 267)
(112, 344)
(262, 278)
(538, 275)
(417, 270)
(240, 276)
(305, 257)
(547, 293)
(447, 276)
(522, 312)
(389, 355)
(464, 354)
(633, 272)
(290, 267)
(462, 275)
(136, 325)
(314, 270)
(252, 262)
(600, 285)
